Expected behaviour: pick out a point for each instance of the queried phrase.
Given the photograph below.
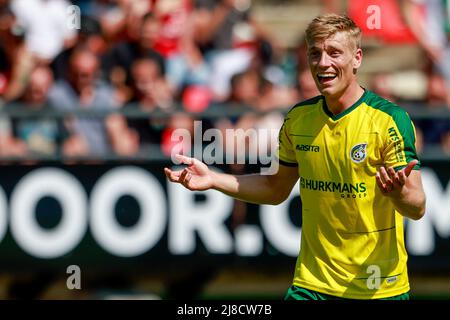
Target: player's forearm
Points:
(410, 203)
(252, 188)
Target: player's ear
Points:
(357, 58)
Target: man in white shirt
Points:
(46, 27)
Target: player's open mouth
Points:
(325, 78)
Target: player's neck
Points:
(340, 103)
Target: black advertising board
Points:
(127, 216)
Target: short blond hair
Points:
(325, 26)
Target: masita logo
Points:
(307, 147)
(358, 152)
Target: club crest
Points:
(358, 152)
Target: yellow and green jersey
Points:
(352, 242)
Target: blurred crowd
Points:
(172, 59)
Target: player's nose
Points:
(324, 60)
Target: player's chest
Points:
(346, 145)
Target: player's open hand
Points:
(391, 182)
(196, 176)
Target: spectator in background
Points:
(16, 61)
(184, 60)
(6, 23)
(150, 88)
(39, 135)
(83, 91)
(432, 31)
(118, 61)
(9, 145)
(8, 47)
(90, 37)
(251, 93)
(116, 17)
(109, 13)
(170, 146)
(380, 85)
(433, 34)
(231, 41)
(45, 26)
(305, 82)
(246, 88)
(150, 93)
(306, 85)
(253, 90)
(174, 17)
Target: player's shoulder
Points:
(385, 106)
(306, 104)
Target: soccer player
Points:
(359, 176)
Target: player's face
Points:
(333, 63)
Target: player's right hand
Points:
(196, 176)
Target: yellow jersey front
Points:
(352, 242)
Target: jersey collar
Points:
(346, 111)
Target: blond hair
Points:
(325, 26)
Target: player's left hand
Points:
(391, 182)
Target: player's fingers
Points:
(379, 175)
(380, 182)
(410, 166)
(168, 173)
(385, 177)
(394, 176)
(182, 177)
(184, 159)
(402, 177)
(172, 175)
(188, 178)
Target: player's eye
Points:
(335, 54)
(314, 54)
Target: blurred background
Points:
(91, 93)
